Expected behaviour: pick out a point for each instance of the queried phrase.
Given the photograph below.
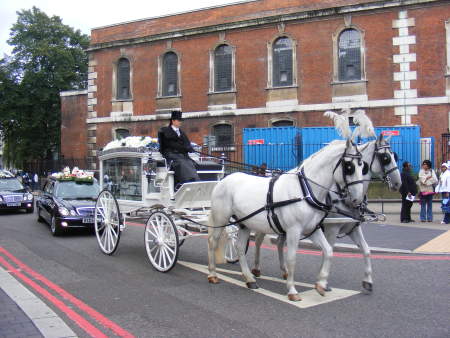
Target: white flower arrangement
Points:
(76, 175)
(132, 142)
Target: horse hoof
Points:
(213, 280)
(320, 290)
(294, 297)
(284, 275)
(256, 272)
(252, 285)
(367, 286)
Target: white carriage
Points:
(138, 184)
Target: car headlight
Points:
(1, 199)
(73, 213)
(63, 211)
(28, 197)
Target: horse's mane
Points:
(320, 151)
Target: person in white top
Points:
(444, 188)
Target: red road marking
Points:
(81, 322)
(66, 295)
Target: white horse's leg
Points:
(357, 236)
(281, 241)
(292, 238)
(327, 251)
(214, 235)
(244, 234)
(331, 231)
(259, 238)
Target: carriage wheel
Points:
(231, 254)
(107, 222)
(161, 241)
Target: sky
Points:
(87, 14)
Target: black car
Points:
(13, 195)
(67, 204)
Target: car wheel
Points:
(55, 228)
(40, 218)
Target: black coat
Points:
(170, 142)
(408, 184)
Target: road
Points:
(121, 295)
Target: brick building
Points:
(265, 63)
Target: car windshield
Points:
(75, 190)
(10, 184)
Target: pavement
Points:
(22, 314)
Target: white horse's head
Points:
(384, 163)
(348, 174)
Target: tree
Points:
(48, 57)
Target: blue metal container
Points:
(405, 141)
(278, 147)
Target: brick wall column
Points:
(91, 105)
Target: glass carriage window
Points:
(349, 52)
(122, 133)
(170, 74)
(123, 79)
(124, 177)
(282, 59)
(223, 68)
(223, 134)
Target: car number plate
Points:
(13, 204)
(88, 220)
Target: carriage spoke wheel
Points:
(107, 222)
(161, 241)
(231, 253)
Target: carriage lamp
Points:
(63, 211)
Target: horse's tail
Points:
(218, 238)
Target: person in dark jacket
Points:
(174, 145)
(408, 191)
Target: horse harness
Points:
(308, 196)
(384, 159)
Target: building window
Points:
(282, 62)
(223, 68)
(123, 79)
(170, 74)
(122, 133)
(282, 123)
(349, 55)
(223, 134)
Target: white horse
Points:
(239, 195)
(380, 162)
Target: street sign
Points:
(390, 132)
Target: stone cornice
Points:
(304, 15)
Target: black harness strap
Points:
(276, 226)
(309, 196)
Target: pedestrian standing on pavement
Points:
(408, 191)
(35, 182)
(444, 188)
(427, 180)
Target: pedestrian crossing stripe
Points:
(310, 298)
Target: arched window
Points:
(282, 123)
(223, 68)
(349, 55)
(224, 134)
(122, 133)
(123, 79)
(170, 74)
(282, 62)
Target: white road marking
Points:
(310, 298)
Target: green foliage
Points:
(48, 57)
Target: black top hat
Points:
(176, 115)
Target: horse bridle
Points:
(348, 168)
(384, 158)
